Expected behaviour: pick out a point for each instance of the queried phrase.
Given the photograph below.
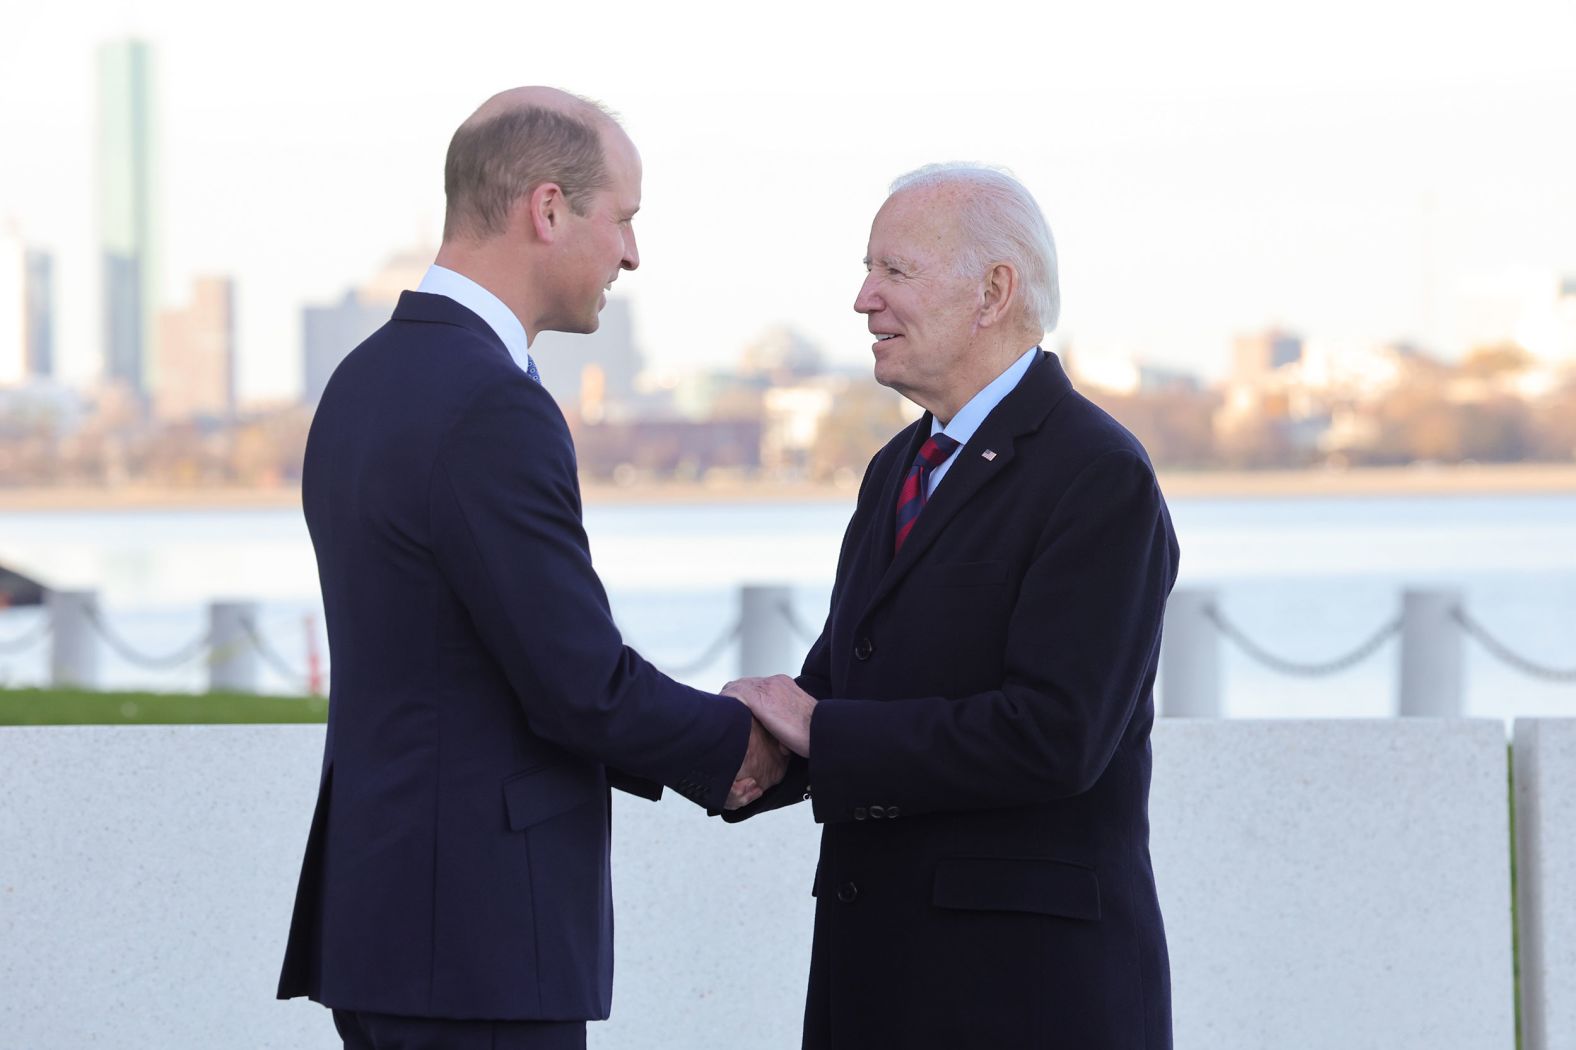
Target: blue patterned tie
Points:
(530, 369)
(911, 497)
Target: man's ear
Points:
(545, 208)
(998, 292)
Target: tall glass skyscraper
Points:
(128, 217)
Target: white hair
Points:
(1002, 223)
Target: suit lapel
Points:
(1020, 412)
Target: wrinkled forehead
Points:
(921, 222)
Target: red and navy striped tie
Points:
(911, 498)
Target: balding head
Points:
(518, 140)
(998, 221)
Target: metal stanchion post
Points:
(1190, 656)
(1431, 678)
(232, 665)
(73, 648)
(766, 643)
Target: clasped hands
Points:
(781, 727)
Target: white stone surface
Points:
(1335, 884)
(712, 929)
(1325, 884)
(147, 875)
(146, 881)
(1546, 880)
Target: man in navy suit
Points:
(974, 718)
(455, 888)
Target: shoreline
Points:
(1477, 480)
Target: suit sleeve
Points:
(815, 678)
(1081, 645)
(504, 502)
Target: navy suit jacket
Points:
(980, 753)
(457, 863)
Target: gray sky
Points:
(1356, 170)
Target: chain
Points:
(798, 626)
(271, 657)
(185, 654)
(714, 650)
(1500, 651)
(27, 639)
(1293, 667)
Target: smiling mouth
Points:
(882, 337)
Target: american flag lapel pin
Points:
(988, 455)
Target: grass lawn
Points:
(63, 707)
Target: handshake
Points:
(781, 727)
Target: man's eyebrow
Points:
(891, 262)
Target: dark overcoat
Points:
(980, 754)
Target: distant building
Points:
(329, 332)
(127, 171)
(793, 416)
(781, 354)
(1127, 376)
(1257, 354)
(1547, 326)
(196, 355)
(26, 312)
(592, 375)
(39, 327)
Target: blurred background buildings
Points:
(165, 408)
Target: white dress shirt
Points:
(962, 426)
(440, 280)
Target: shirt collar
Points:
(963, 425)
(440, 280)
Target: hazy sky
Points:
(1351, 169)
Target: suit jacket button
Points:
(892, 812)
(847, 892)
(863, 648)
(860, 813)
(877, 812)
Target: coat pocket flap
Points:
(536, 794)
(1045, 887)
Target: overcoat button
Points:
(860, 813)
(877, 812)
(863, 648)
(847, 892)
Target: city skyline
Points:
(1354, 186)
(128, 180)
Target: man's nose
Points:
(866, 302)
(631, 252)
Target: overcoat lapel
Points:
(1020, 412)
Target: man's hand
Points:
(765, 761)
(782, 707)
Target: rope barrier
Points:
(184, 655)
(798, 626)
(27, 639)
(1502, 652)
(271, 657)
(711, 653)
(1315, 669)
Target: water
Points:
(1309, 579)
